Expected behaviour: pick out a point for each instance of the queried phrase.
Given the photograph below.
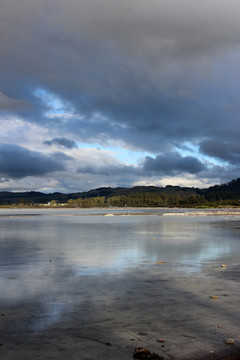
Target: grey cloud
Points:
(61, 142)
(3, 180)
(19, 162)
(221, 174)
(168, 164)
(60, 156)
(165, 164)
(10, 104)
(122, 60)
(172, 164)
(151, 75)
(109, 170)
(222, 150)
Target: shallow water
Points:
(46, 254)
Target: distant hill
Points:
(9, 198)
(224, 192)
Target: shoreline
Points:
(121, 211)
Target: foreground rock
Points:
(143, 353)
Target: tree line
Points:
(153, 200)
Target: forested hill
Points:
(226, 191)
(225, 194)
(107, 192)
(232, 186)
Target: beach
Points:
(159, 308)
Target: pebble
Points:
(160, 340)
(229, 341)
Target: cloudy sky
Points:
(118, 93)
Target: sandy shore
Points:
(159, 306)
(211, 212)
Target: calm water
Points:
(45, 253)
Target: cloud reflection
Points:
(47, 258)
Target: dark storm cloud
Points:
(167, 164)
(229, 152)
(19, 162)
(61, 142)
(152, 75)
(172, 164)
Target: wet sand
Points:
(157, 306)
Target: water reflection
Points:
(96, 242)
(49, 257)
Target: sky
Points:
(100, 93)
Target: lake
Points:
(55, 259)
